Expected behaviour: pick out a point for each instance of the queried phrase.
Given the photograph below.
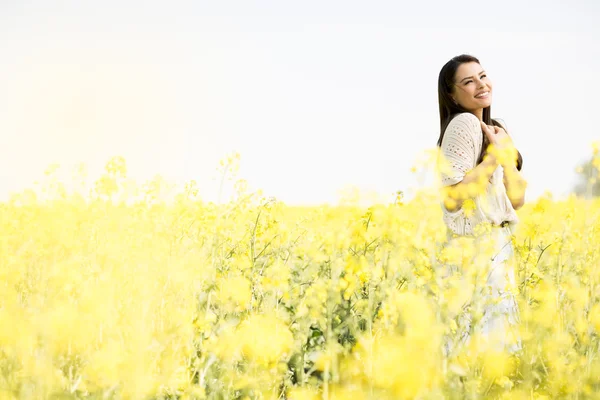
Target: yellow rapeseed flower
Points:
(264, 339)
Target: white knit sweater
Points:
(461, 146)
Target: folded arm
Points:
(474, 182)
(515, 185)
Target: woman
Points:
(482, 187)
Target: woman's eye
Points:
(483, 76)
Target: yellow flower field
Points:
(128, 292)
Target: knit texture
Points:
(461, 147)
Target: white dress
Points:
(460, 147)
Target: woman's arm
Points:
(473, 183)
(502, 147)
(462, 179)
(515, 185)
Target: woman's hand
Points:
(502, 146)
(497, 135)
(503, 150)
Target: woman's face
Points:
(472, 87)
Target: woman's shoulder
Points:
(466, 118)
(465, 121)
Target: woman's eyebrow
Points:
(471, 76)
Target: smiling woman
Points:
(473, 91)
(465, 91)
(480, 167)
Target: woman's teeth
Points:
(482, 95)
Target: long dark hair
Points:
(448, 108)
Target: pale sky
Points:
(315, 95)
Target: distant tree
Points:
(588, 173)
